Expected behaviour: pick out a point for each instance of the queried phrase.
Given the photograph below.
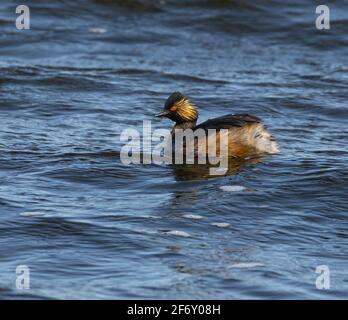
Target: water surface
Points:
(89, 226)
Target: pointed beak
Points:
(163, 113)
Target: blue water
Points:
(89, 227)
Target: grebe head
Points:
(179, 109)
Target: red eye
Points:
(173, 108)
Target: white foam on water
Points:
(220, 224)
(193, 216)
(221, 171)
(232, 188)
(31, 214)
(178, 233)
(243, 265)
(97, 30)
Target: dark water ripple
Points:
(89, 226)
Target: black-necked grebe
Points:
(247, 134)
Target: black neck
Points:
(185, 125)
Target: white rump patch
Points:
(264, 142)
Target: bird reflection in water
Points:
(186, 172)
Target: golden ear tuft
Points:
(187, 110)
